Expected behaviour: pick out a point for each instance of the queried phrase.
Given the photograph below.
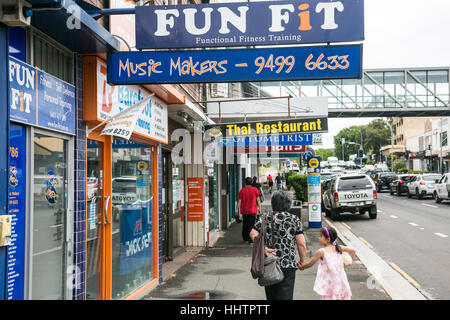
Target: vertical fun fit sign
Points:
(249, 23)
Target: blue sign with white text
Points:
(17, 197)
(274, 140)
(239, 65)
(249, 23)
(39, 99)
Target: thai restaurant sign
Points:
(249, 23)
(152, 121)
(261, 128)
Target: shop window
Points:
(132, 237)
(52, 58)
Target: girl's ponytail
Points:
(331, 234)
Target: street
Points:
(413, 237)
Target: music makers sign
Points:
(279, 127)
(251, 23)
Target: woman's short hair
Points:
(281, 201)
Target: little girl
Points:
(331, 280)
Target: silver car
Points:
(355, 193)
(423, 185)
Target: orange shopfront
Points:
(122, 189)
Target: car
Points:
(422, 185)
(350, 164)
(336, 170)
(325, 176)
(381, 167)
(383, 180)
(442, 190)
(400, 184)
(324, 187)
(355, 193)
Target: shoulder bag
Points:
(272, 271)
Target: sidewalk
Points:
(223, 272)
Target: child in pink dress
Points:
(331, 280)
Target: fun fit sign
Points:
(249, 23)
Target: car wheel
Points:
(391, 192)
(408, 194)
(335, 214)
(327, 212)
(436, 197)
(373, 212)
(419, 196)
(399, 193)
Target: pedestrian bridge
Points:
(405, 92)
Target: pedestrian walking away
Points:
(331, 280)
(249, 205)
(279, 181)
(258, 186)
(270, 180)
(288, 236)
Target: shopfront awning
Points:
(72, 26)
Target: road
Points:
(413, 235)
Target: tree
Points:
(324, 153)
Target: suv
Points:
(400, 184)
(422, 185)
(350, 193)
(383, 180)
(442, 190)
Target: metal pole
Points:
(440, 154)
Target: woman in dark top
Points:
(288, 235)
(258, 186)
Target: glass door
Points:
(49, 213)
(94, 228)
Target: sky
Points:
(399, 34)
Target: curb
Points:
(395, 285)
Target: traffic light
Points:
(360, 153)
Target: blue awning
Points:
(71, 26)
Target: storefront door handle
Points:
(106, 209)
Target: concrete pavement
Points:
(223, 272)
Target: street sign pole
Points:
(314, 193)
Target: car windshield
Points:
(431, 178)
(354, 183)
(406, 178)
(387, 174)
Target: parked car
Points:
(324, 187)
(422, 185)
(400, 184)
(383, 180)
(442, 190)
(350, 193)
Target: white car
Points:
(422, 185)
(442, 190)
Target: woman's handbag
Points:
(272, 273)
(258, 252)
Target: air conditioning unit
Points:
(218, 90)
(15, 12)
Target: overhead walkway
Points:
(380, 93)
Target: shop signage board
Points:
(271, 149)
(239, 65)
(195, 199)
(17, 209)
(152, 121)
(249, 23)
(274, 140)
(314, 193)
(267, 128)
(39, 99)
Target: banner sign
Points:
(267, 128)
(270, 149)
(249, 24)
(195, 199)
(39, 99)
(267, 140)
(17, 191)
(135, 237)
(239, 65)
(152, 121)
(122, 125)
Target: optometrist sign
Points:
(239, 65)
(249, 23)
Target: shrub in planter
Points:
(300, 184)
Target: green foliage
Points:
(300, 184)
(325, 153)
(372, 137)
(399, 165)
(288, 175)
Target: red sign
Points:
(270, 149)
(195, 199)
